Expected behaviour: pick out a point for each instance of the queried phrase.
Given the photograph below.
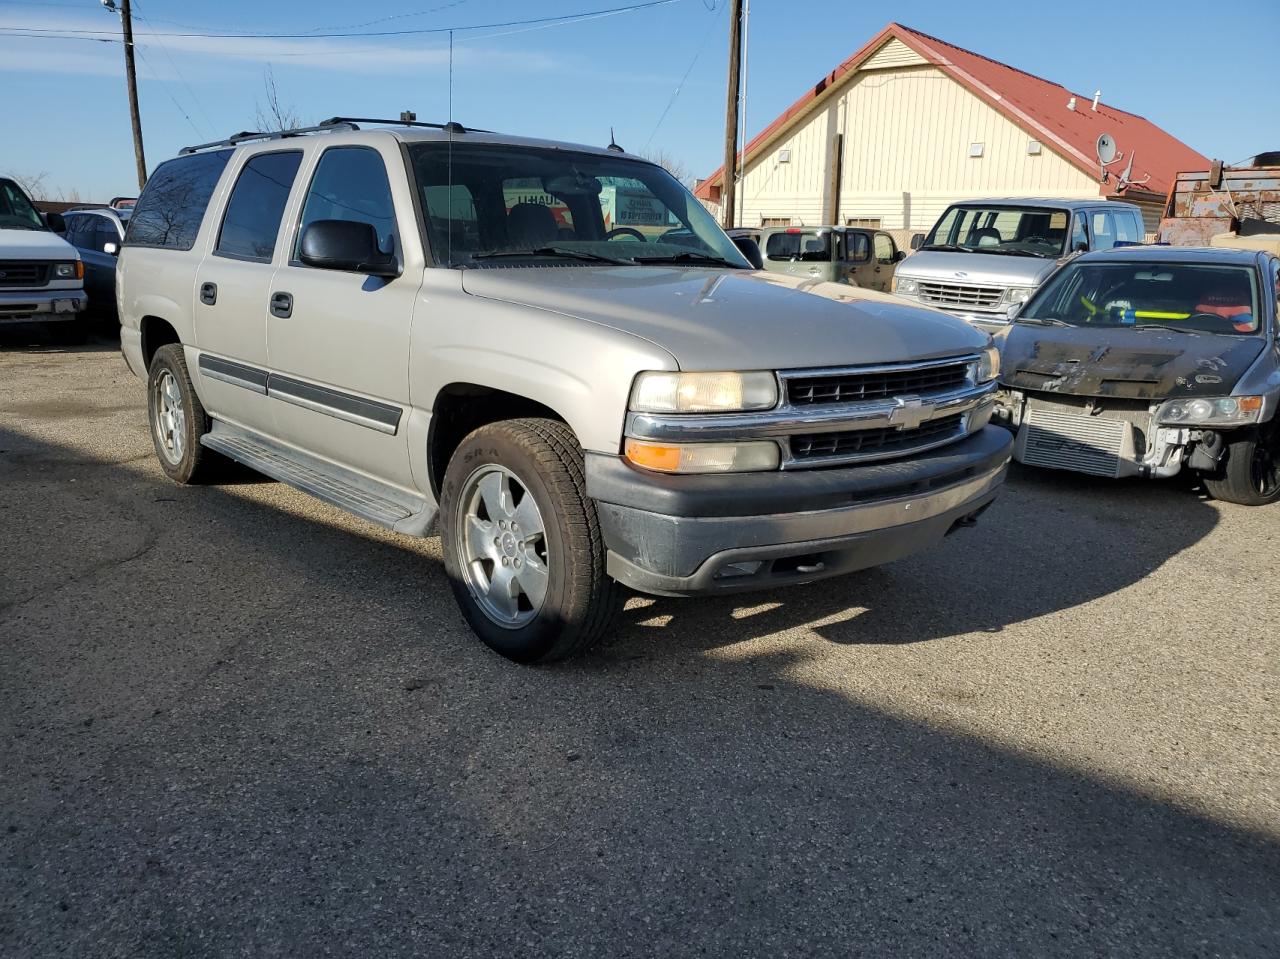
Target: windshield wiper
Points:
(1161, 326)
(1002, 252)
(1042, 320)
(689, 256)
(557, 251)
(954, 247)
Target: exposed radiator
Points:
(1073, 441)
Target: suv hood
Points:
(1136, 364)
(34, 245)
(712, 319)
(995, 269)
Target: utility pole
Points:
(131, 81)
(728, 192)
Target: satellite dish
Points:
(1106, 149)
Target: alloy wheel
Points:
(169, 418)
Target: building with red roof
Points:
(911, 123)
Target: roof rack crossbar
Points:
(452, 126)
(244, 136)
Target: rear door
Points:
(340, 350)
(885, 254)
(858, 263)
(233, 289)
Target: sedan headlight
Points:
(1017, 295)
(660, 392)
(987, 367)
(904, 285)
(1210, 411)
(69, 271)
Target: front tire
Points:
(522, 543)
(178, 418)
(1251, 476)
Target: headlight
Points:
(660, 392)
(1017, 295)
(987, 367)
(904, 285)
(703, 457)
(1210, 411)
(69, 271)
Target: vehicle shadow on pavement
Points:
(241, 725)
(102, 336)
(1035, 552)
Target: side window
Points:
(1103, 224)
(104, 232)
(172, 206)
(1079, 235)
(252, 221)
(1128, 227)
(75, 226)
(350, 183)
(857, 247)
(884, 248)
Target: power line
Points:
(195, 99)
(418, 31)
(680, 86)
(156, 76)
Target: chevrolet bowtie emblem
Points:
(910, 413)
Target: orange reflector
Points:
(654, 456)
(79, 269)
(1249, 404)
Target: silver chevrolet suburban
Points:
(554, 353)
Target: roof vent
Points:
(1071, 104)
(1097, 94)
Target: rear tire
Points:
(1251, 474)
(178, 418)
(529, 576)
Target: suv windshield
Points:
(16, 211)
(1174, 296)
(492, 205)
(1014, 230)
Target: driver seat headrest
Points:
(531, 225)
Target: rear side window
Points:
(252, 220)
(170, 210)
(350, 183)
(798, 245)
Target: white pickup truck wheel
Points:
(178, 418)
(522, 543)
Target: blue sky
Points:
(66, 113)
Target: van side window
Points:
(1128, 228)
(1079, 235)
(252, 221)
(350, 183)
(173, 204)
(1103, 224)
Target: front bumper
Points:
(23, 306)
(686, 535)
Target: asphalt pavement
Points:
(237, 721)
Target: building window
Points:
(868, 222)
(775, 221)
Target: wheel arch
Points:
(156, 332)
(461, 407)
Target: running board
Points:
(367, 498)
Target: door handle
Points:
(208, 293)
(282, 305)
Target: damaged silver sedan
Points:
(1145, 361)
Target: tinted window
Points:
(798, 245)
(252, 220)
(857, 249)
(75, 234)
(170, 210)
(1128, 228)
(350, 183)
(1103, 225)
(104, 233)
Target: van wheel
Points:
(1251, 476)
(522, 543)
(178, 419)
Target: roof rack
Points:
(407, 119)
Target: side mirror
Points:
(917, 240)
(1081, 247)
(111, 248)
(1012, 313)
(55, 222)
(346, 245)
(751, 250)
(899, 256)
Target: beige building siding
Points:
(907, 132)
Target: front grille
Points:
(856, 387)
(1074, 441)
(875, 441)
(960, 294)
(23, 273)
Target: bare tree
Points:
(274, 115)
(33, 184)
(671, 164)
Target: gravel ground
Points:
(235, 721)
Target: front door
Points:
(858, 267)
(339, 341)
(233, 287)
(885, 253)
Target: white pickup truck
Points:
(41, 274)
